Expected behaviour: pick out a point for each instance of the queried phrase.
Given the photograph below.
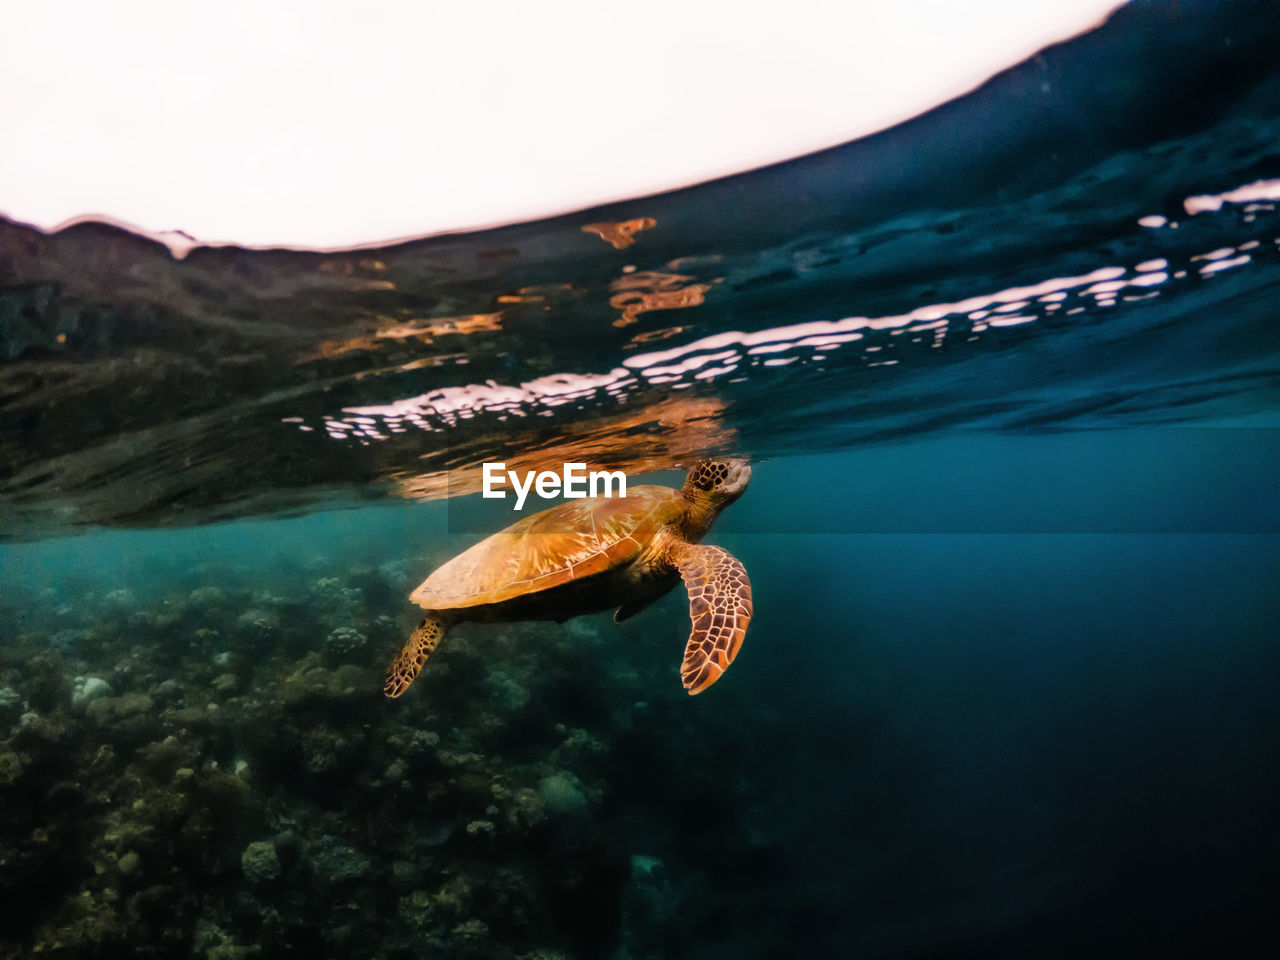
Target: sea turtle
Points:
(587, 555)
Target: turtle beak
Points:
(739, 476)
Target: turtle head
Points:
(718, 482)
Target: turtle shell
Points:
(567, 542)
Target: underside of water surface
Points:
(1087, 241)
(1007, 375)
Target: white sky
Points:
(324, 124)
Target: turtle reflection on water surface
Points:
(588, 555)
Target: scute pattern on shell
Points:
(575, 539)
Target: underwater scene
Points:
(957, 447)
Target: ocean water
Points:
(1007, 374)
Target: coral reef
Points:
(210, 770)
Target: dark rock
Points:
(10, 768)
(334, 863)
(260, 863)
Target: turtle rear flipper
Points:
(408, 662)
(720, 608)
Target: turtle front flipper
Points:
(720, 608)
(408, 662)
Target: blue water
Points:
(1013, 535)
(1001, 743)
